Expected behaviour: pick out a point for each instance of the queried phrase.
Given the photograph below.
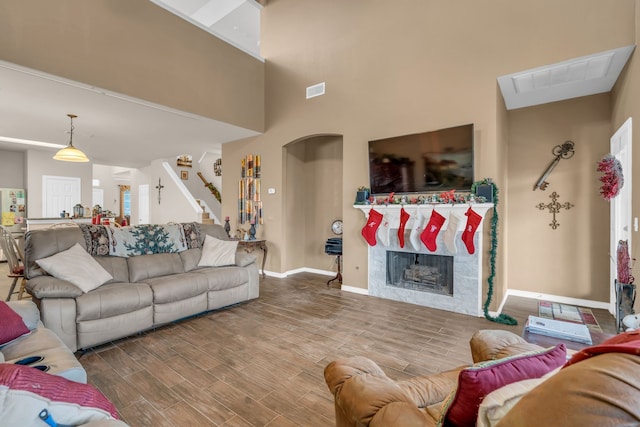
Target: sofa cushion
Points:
(25, 392)
(143, 267)
(113, 299)
(76, 266)
(191, 257)
(219, 278)
(218, 253)
(167, 289)
(116, 266)
(474, 383)
(12, 324)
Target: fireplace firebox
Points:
(420, 272)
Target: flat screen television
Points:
(439, 160)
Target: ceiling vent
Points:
(315, 90)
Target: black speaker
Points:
(486, 191)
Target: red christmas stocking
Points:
(404, 217)
(371, 227)
(473, 221)
(431, 231)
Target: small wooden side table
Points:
(250, 245)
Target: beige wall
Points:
(391, 68)
(11, 169)
(573, 259)
(625, 100)
(394, 68)
(314, 193)
(39, 163)
(136, 48)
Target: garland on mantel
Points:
(501, 318)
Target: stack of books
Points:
(559, 329)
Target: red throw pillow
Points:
(474, 383)
(11, 324)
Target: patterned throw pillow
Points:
(192, 234)
(96, 238)
(474, 383)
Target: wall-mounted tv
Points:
(440, 160)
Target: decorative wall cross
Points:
(554, 208)
(159, 187)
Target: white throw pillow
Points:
(75, 265)
(216, 252)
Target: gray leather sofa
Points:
(146, 290)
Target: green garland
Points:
(501, 318)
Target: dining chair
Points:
(14, 256)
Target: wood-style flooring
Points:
(261, 363)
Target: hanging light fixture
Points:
(71, 153)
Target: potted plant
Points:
(625, 288)
(362, 195)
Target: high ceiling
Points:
(115, 129)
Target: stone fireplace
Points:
(440, 279)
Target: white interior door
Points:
(143, 204)
(621, 204)
(98, 197)
(60, 193)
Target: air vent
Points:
(315, 90)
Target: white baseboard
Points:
(554, 298)
(355, 290)
(343, 287)
(299, 270)
(510, 292)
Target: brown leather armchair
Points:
(601, 391)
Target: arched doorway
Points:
(312, 199)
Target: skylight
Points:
(237, 22)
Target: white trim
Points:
(555, 298)
(346, 288)
(297, 271)
(355, 290)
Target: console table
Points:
(250, 245)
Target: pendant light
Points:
(71, 153)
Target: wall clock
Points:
(336, 226)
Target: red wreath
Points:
(612, 178)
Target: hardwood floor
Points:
(261, 363)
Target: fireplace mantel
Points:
(468, 275)
(393, 211)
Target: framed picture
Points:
(184, 175)
(184, 161)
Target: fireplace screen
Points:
(420, 272)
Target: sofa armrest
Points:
(430, 389)
(243, 259)
(364, 395)
(50, 287)
(492, 344)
